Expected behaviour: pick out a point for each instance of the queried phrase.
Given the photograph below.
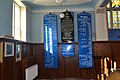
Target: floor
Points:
(114, 75)
(66, 79)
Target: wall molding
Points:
(100, 11)
(59, 10)
(98, 4)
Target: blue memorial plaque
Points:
(50, 41)
(85, 40)
(68, 50)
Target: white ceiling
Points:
(53, 4)
(60, 2)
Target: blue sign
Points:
(50, 41)
(114, 34)
(85, 40)
(68, 50)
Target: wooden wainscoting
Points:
(115, 50)
(102, 48)
(109, 49)
(33, 53)
(68, 66)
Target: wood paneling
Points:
(12, 70)
(102, 49)
(109, 49)
(9, 68)
(88, 73)
(25, 50)
(97, 64)
(68, 66)
(47, 73)
(115, 47)
(1, 71)
(18, 70)
(33, 53)
(30, 61)
(71, 65)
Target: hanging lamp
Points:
(59, 1)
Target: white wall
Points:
(37, 28)
(101, 26)
(28, 25)
(35, 23)
(6, 17)
(101, 22)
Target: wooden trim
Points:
(106, 17)
(111, 16)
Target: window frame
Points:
(19, 10)
(111, 9)
(14, 23)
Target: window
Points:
(19, 21)
(113, 14)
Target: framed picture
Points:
(9, 49)
(18, 52)
(1, 52)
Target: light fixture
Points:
(62, 15)
(59, 1)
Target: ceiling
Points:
(59, 2)
(55, 3)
